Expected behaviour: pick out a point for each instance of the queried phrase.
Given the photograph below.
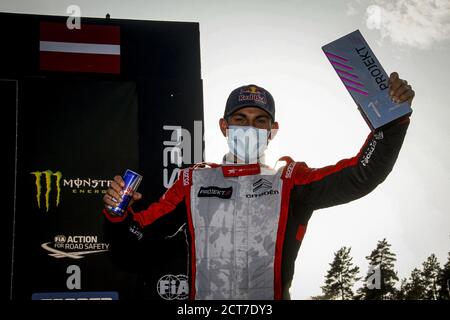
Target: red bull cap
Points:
(250, 96)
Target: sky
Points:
(277, 45)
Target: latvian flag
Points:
(93, 48)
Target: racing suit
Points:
(246, 222)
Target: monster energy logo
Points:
(48, 186)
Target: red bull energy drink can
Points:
(132, 181)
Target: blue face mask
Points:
(247, 143)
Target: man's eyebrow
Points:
(239, 114)
(263, 116)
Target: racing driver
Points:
(246, 220)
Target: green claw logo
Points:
(48, 186)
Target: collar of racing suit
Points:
(233, 167)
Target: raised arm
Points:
(352, 178)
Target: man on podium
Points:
(246, 220)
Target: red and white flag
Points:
(93, 48)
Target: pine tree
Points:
(341, 276)
(414, 288)
(381, 262)
(430, 277)
(401, 293)
(444, 281)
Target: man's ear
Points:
(274, 130)
(223, 126)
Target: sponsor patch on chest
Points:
(213, 191)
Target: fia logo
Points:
(171, 287)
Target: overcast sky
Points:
(277, 45)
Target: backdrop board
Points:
(8, 94)
(83, 117)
